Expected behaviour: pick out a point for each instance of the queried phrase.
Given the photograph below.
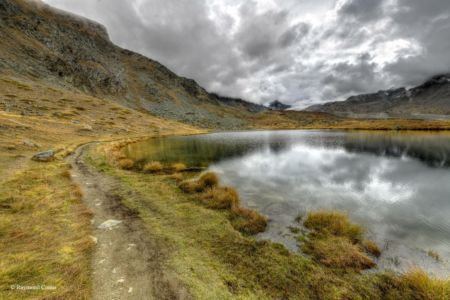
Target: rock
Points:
(45, 156)
(30, 143)
(94, 239)
(87, 127)
(109, 224)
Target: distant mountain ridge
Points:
(43, 43)
(278, 105)
(428, 100)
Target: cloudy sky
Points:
(299, 51)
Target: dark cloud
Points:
(428, 23)
(361, 10)
(301, 52)
(342, 77)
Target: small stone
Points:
(130, 246)
(87, 127)
(94, 239)
(45, 156)
(109, 224)
(30, 143)
(130, 290)
(121, 280)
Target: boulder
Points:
(44, 156)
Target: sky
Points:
(301, 52)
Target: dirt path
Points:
(128, 263)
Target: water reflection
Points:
(397, 185)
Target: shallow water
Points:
(395, 184)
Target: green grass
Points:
(216, 261)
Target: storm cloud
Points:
(300, 52)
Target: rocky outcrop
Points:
(431, 99)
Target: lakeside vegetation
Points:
(216, 261)
(336, 242)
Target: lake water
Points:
(397, 185)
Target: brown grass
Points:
(206, 181)
(178, 167)
(177, 177)
(248, 221)
(221, 198)
(245, 220)
(371, 247)
(125, 163)
(326, 222)
(416, 284)
(209, 180)
(338, 252)
(337, 242)
(44, 235)
(153, 167)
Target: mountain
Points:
(44, 44)
(277, 105)
(429, 100)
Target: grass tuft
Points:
(209, 180)
(179, 167)
(338, 252)
(221, 198)
(248, 221)
(415, 284)
(326, 222)
(206, 181)
(153, 167)
(336, 242)
(125, 163)
(371, 247)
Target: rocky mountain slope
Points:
(41, 43)
(429, 100)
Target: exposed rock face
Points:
(43, 43)
(239, 103)
(277, 105)
(429, 100)
(45, 156)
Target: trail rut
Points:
(128, 262)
